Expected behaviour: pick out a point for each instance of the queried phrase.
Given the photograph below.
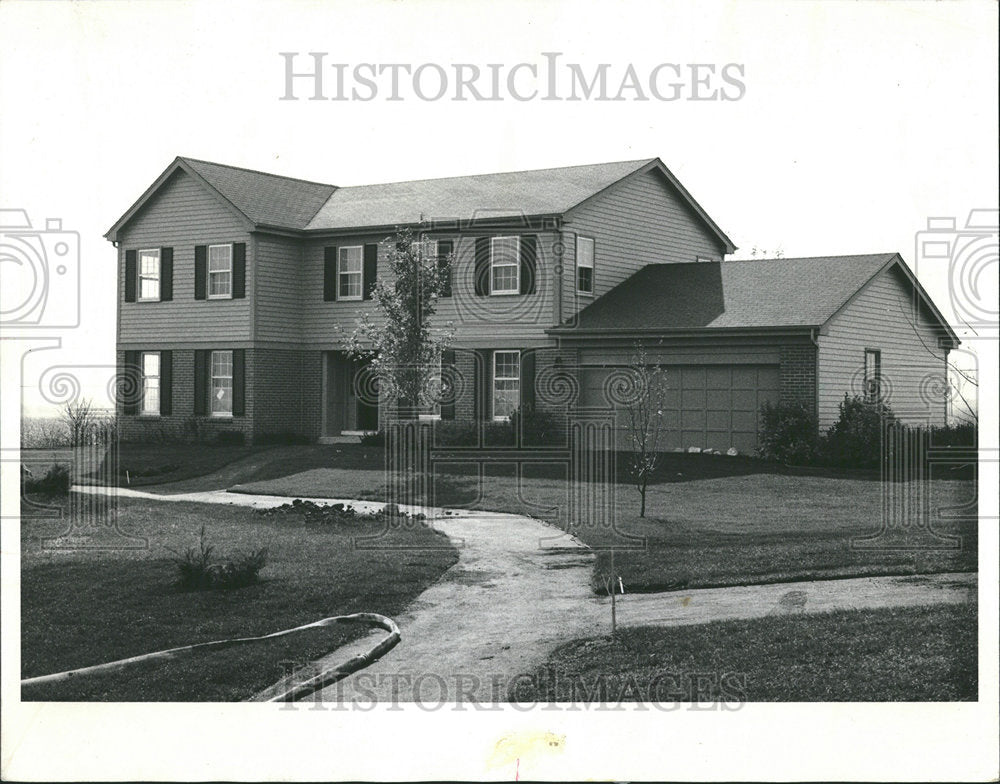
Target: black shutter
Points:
(529, 267)
(130, 386)
(482, 266)
(130, 276)
(371, 269)
(239, 270)
(166, 383)
(201, 381)
(444, 262)
(527, 380)
(329, 274)
(448, 376)
(239, 398)
(200, 271)
(166, 274)
(484, 372)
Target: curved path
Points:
(521, 587)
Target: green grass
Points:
(79, 609)
(912, 654)
(711, 521)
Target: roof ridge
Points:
(802, 258)
(640, 162)
(257, 171)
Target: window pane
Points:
(350, 284)
(585, 252)
(222, 364)
(151, 364)
(585, 279)
(504, 278)
(151, 396)
(505, 364)
(220, 283)
(506, 395)
(149, 288)
(222, 396)
(219, 257)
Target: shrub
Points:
(855, 439)
(535, 427)
(787, 433)
(962, 434)
(229, 438)
(456, 433)
(55, 482)
(373, 439)
(283, 438)
(200, 570)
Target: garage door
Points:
(707, 406)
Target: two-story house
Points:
(237, 290)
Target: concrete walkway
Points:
(522, 587)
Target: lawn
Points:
(912, 654)
(711, 521)
(80, 608)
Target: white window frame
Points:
(424, 246)
(516, 265)
(149, 252)
(360, 272)
(433, 416)
(150, 404)
(579, 264)
(873, 376)
(228, 271)
(495, 378)
(212, 387)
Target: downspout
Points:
(814, 338)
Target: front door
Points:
(366, 396)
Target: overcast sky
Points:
(856, 124)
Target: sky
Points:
(856, 122)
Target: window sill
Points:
(220, 296)
(148, 299)
(357, 298)
(220, 416)
(584, 293)
(149, 416)
(505, 293)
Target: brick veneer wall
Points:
(798, 375)
(282, 397)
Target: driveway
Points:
(522, 587)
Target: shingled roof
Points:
(501, 195)
(267, 199)
(272, 201)
(764, 294)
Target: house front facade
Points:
(238, 291)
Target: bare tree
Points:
(79, 415)
(643, 402)
(404, 349)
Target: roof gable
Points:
(500, 195)
(259, 198)
(739, 295)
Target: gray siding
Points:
(882, 317)
(515, 321)
(180, 215)
(639, 221)
(279, 293)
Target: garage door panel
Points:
(718, 377)
(718, 399)
(744, 377)
(692, 398)
(692, 378)
(718, 420)
(768, 378)
(692, 418)
(744, 400)
(745, 421)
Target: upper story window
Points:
(151, 383)
(427, 249)
(149, 275)
(873, 375)
(220, 271)
(506, 383)
(585, 265)
(350, 272)
(505, 265)
(222, 383)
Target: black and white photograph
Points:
(421, 390)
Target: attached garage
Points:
(707, 406)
